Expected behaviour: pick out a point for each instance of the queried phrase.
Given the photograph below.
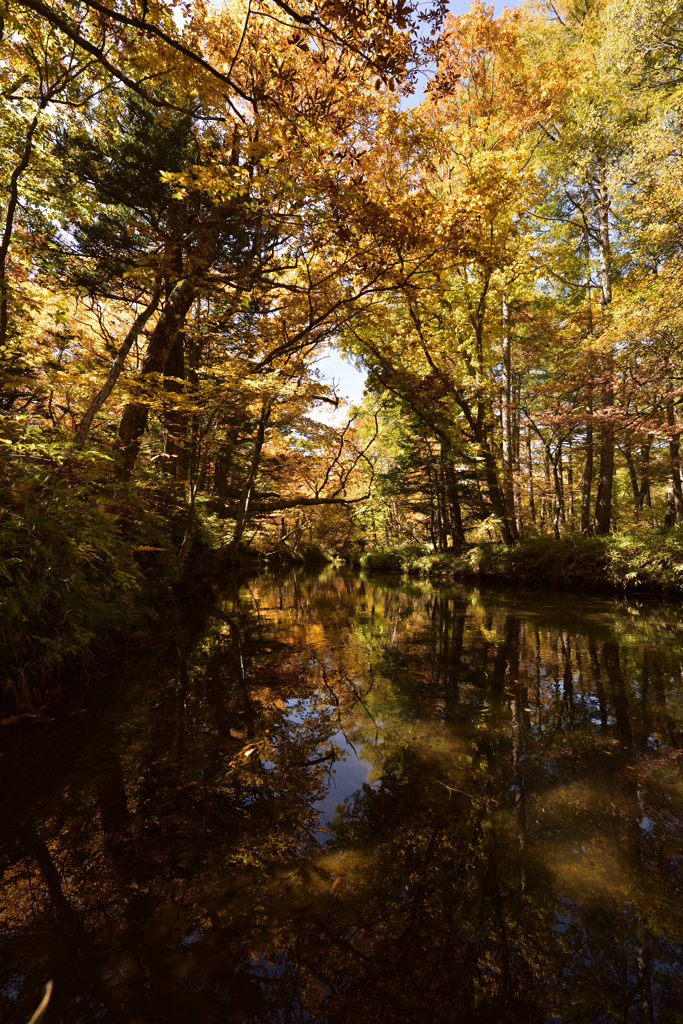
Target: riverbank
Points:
(80, 567)
(88, 564)
(651, 562)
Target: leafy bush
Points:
(651, 562)
(391, 559)
(79, 562)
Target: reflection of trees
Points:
(496, 868)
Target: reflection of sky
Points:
(347, 774)
(346, 779)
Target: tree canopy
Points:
(199, 199)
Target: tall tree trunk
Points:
(516, 459)
(432, 509)
(116, 368)
(163, 338)
(645, 495)
(587, 481)
(478, 425)
(497, 499)
(633, 478)
(603, 501)
(242, 516)
(164, 335)
(570, 485)
(444, 518)
(12, 203)
(457, 531)
(506, 415)
(455, 516)
(225, 456)
(546, 501)
(530, 465)
(675, 456)
(559, 518)
(176, 422)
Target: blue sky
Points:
(350, 380)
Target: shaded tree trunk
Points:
(176, 422)
(560, 516)
(457, 532)
(603, 502)
(645, 495)
(116, 368)
(12, 203)
(587, 480)
(242, 516)
(675, 466)
(633, 479)
(478, 427)
(163, 338)
(506, 414)
(516, 460)
(570, 485)
(530, 465)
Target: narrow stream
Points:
(358, 799)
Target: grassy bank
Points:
(649, 563)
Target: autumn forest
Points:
(482, 211)
(320, 707)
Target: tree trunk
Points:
(163, 338)
(545, 492)
(603, 501)
(116, 368)
(530, 464)
(506, 415)
(175, 421)
(444, 519)
(633, 478)
(570, 485)
(457, 532)
(645, 496)
(587, 480)
(432, 510)
(12, 203)
(559, 518)
(224, 458)
(675, 456)
(242, 516)
(478, 425)
(497, 499)
(516, 458)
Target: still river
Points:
(348, 799)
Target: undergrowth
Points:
(81, 561)
(650, 562)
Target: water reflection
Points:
(359, 799)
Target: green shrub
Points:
(79, 563)
(391, 559)
(649, 562)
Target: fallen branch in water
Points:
(47, 992)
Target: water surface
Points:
(358, 799)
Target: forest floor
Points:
(648, 562)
